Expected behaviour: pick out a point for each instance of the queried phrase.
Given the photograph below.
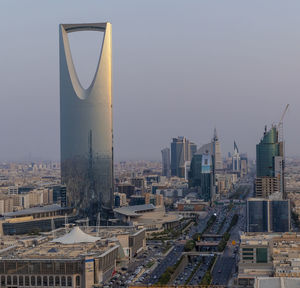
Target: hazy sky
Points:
(179, 68)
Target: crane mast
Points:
(280, 124)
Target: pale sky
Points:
(180, 68)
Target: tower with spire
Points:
(236, 159)
(217, 152)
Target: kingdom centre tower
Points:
(86, 131)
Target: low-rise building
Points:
(268, 254)
(75, 259)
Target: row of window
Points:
(59, 281)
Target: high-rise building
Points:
(270, 164)
(236, 159)
(265, 215)
(201, 175)
(86, 127)
(192, 149)
(217, 152)
(182, 150)
(166, 162)
(187, 168)
(244, 164)
(178, 156)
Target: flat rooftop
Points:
(135, 210)
(57, 249)
(276, 282)
(36, 210)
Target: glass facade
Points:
(261, 255)
(86, 128)
(201, 175)
(280, 215)
(257, 212)
(266, 150)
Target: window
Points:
(77, 280)
(69, 281)
(57, 282)
(45, 281)
(51, 281)
(21, 281)
(15, 280)
(32, 281)
(63, 281)
(39, 281)
(2, 280)
(8, 280)
(247, 249)
(26, 280)
(261, 255)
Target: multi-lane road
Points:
(226, 263)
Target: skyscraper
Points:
(236, 159)
(178, 156)
(201, 175)
(182, 150)
(86, 127)
(270, 165)
(166, 164)
(217, 152)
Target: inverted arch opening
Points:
(85, 47)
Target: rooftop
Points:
(36, 210)
(134, 210)
(76, 236)
(277, 282)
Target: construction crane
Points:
(280, 124)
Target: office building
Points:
(265, 215)
(268, 255)
(166, 162)
(59, 194)
(182, 150)
(236, 159)
(187, 168)
(178, 156)
(86, 127)
(270, 165)
(192, 149)
(218, 163)
(244, 164)
(201, 175)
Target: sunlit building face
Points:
(86, 127)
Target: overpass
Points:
(207, 243)
(177, 286)
(212, 236)
(202, 254)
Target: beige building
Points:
(267, 255)
(265, 186)
(74, 260)
(6, 204)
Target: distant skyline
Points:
(180, 68)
